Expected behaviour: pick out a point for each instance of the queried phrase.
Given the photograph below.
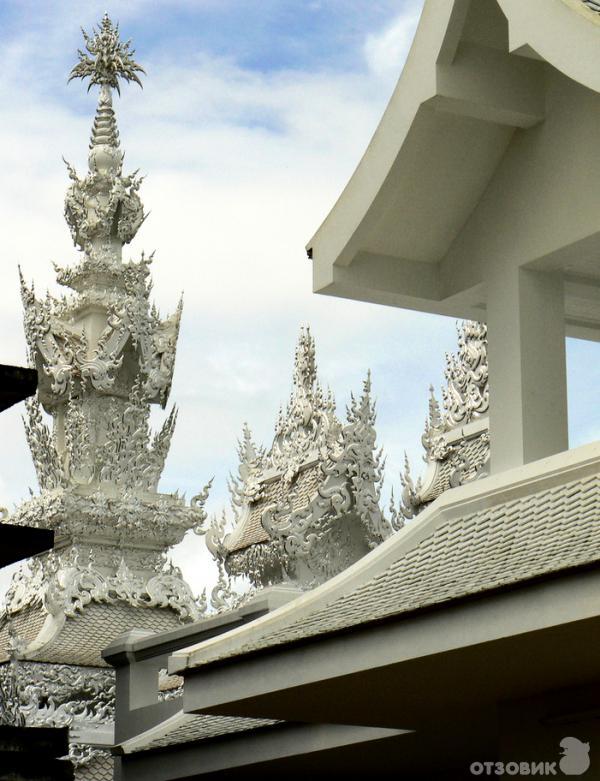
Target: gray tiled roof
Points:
(251, 530)
(82, 638)
(187, 728)
(474, 450)
(593, 4)
(533, 535)
(99, 769)
(26, 624)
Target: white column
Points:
(527, 366)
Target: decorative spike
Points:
(246, 447)
(305, 366)
(396, 517)
(410, 504)
(435, 417)
(111, 59)
(308, 424)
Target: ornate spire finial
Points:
(104, 210)
(309, 419)
(362, 409)
(305, 366)
(111, 60)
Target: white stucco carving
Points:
(309, 506)
(456, 437)
(467, 393)
(104, 355)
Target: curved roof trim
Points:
(563, 33)
(435, 41)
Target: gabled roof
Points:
(307, 507)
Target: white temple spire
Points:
(104, 210)
(104, 356)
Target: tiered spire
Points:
(104, 352)
(104, 210)
(104, 356)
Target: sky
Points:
(252, 118)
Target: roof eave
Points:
(451, 118)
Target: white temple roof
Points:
(507, 529)
(185, 727)
(484, 155)
(307, 507)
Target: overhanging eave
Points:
(482, 119)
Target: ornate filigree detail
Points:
(104, 206)
(82, 755)
(410, 502)
(364, 465)
(433, 440)
(72, 362)
(222, 596)
(308, 423)
(57, 695)
(122, 519)
(318, 489)
(454, 456)
(111, 60)
(42, 446)
(263, 564)
(11, 714)
(467, 395)
(298, 532)
(396, 515)
(65, 583)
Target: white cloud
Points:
(386, 51)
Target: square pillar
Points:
(527, 366)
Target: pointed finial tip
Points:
(107, 58)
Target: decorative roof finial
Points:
(467, 395)
(111, 58)
(104, 210)
(305, 367)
